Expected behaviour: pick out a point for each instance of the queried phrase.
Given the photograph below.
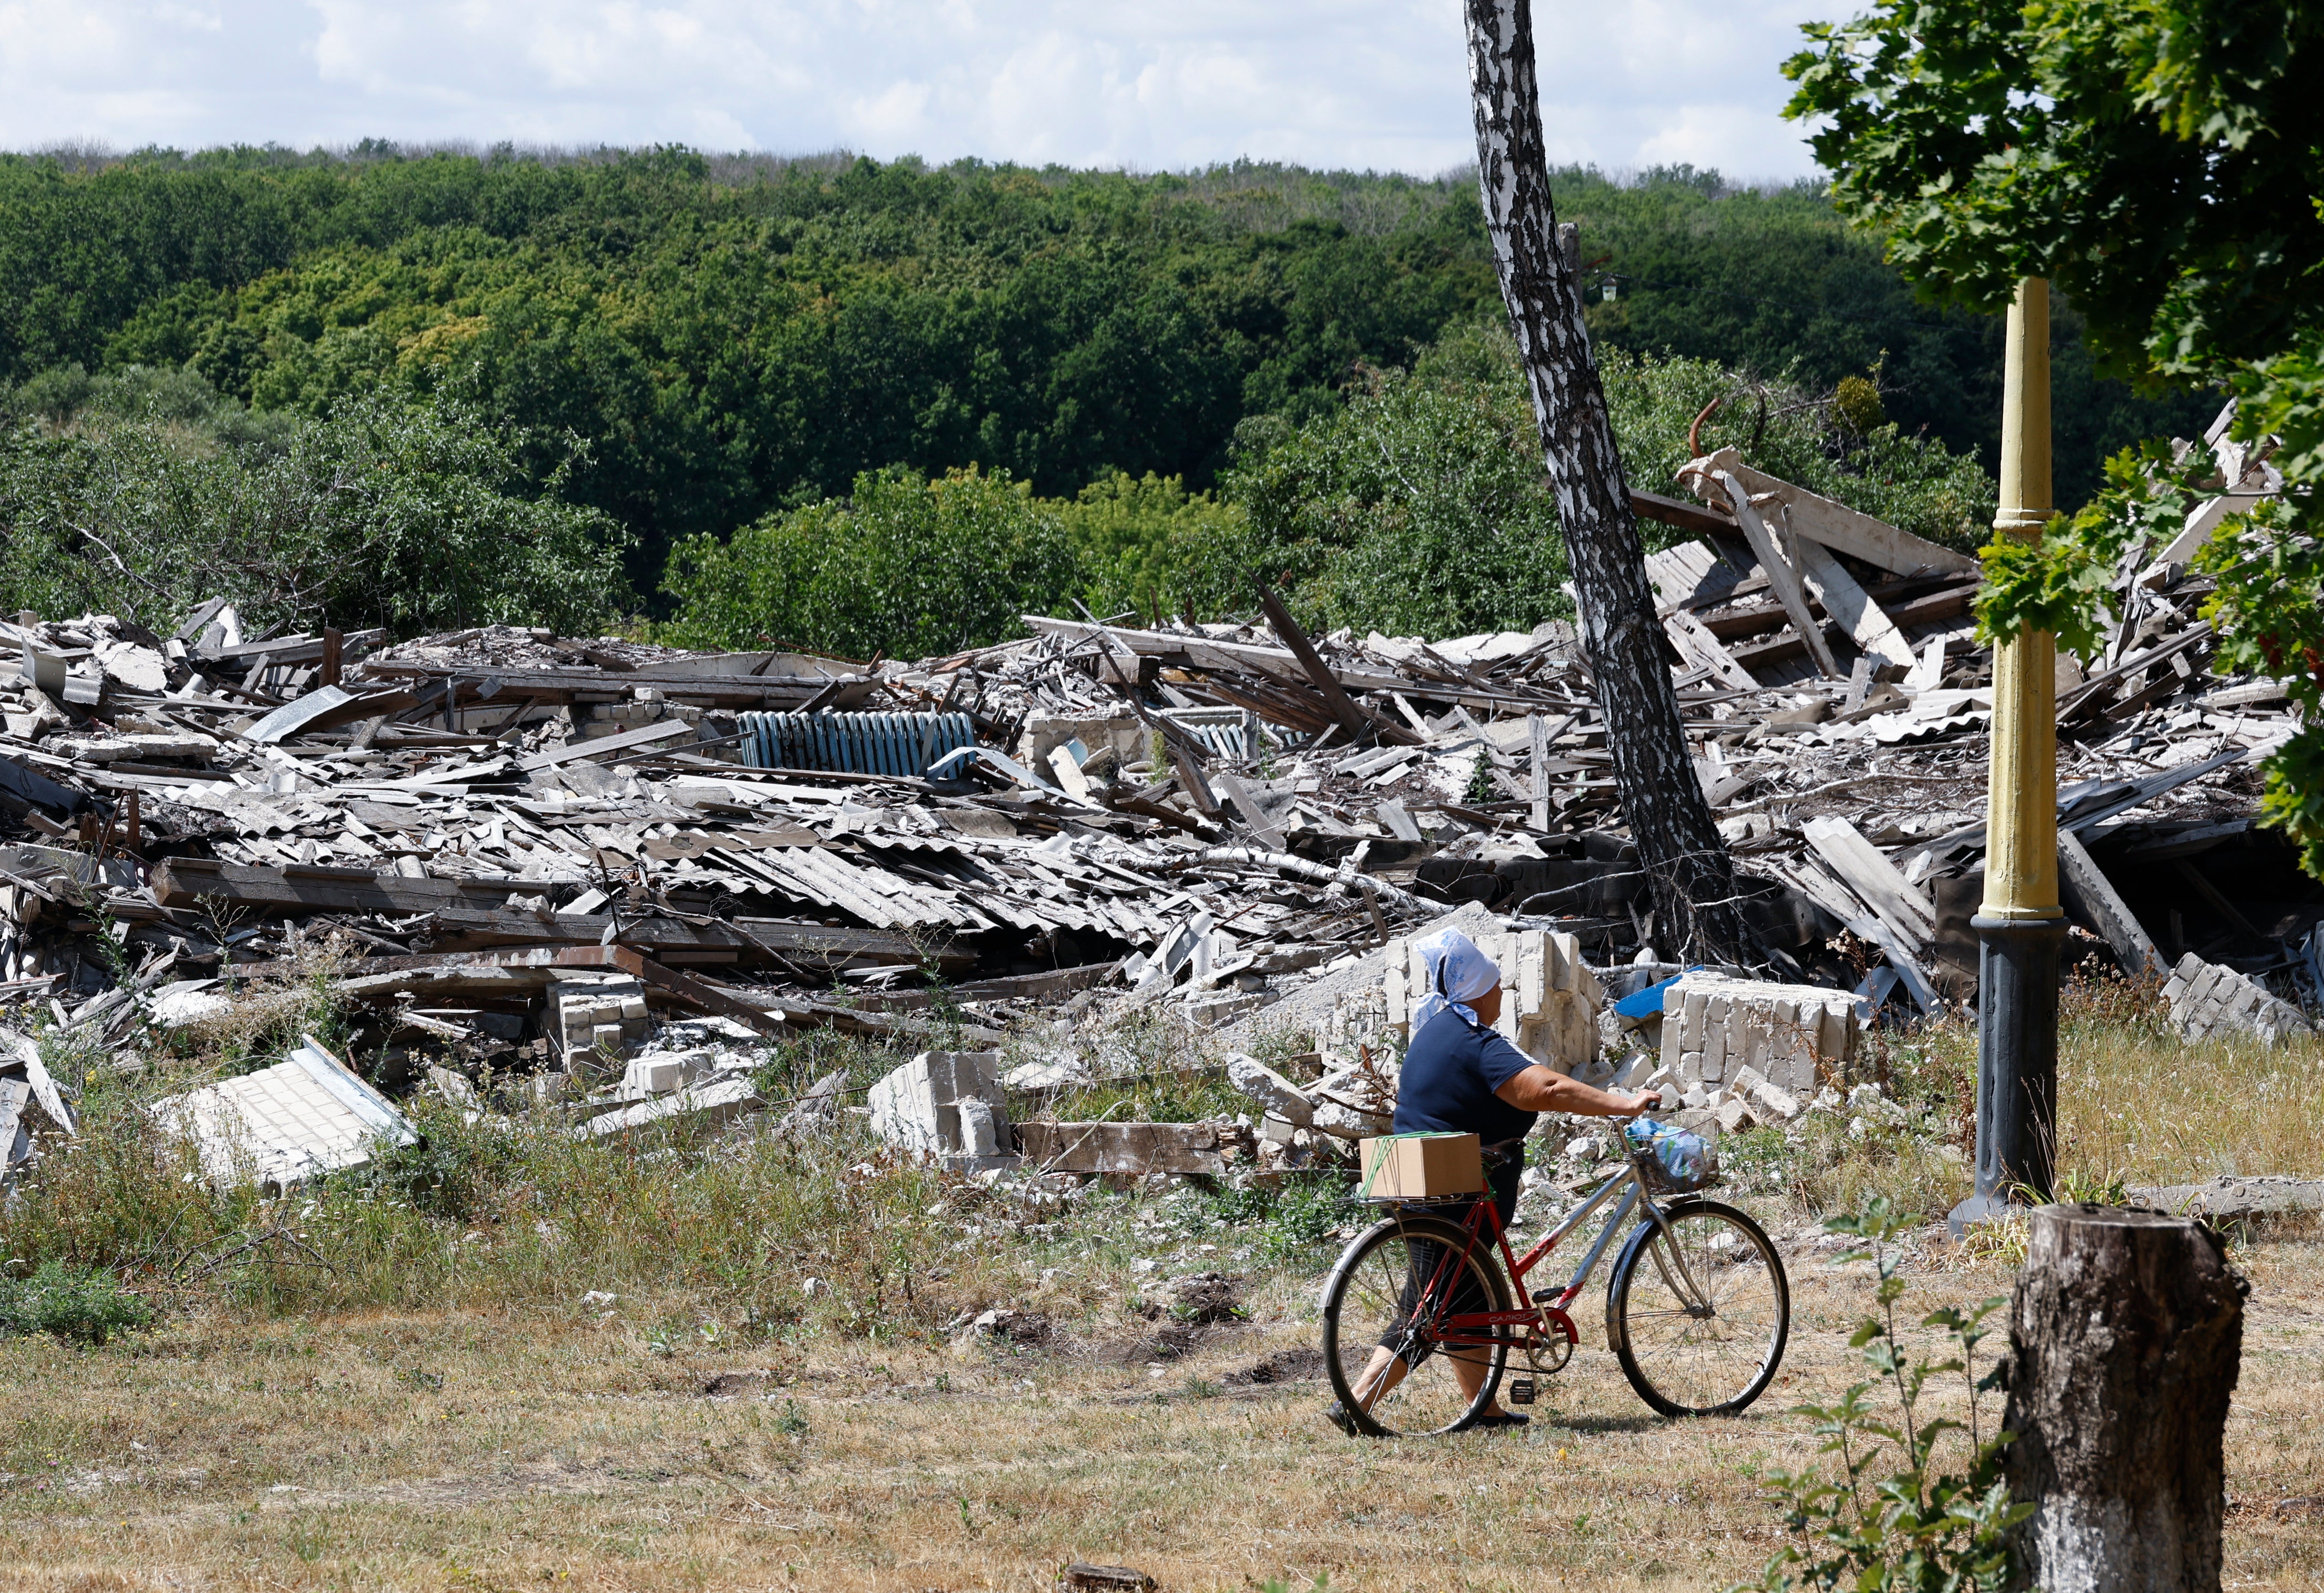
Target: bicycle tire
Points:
(1358, 1312)
(1678, 1368)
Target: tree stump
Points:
(2125, 1333)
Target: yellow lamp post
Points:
(2019, 923)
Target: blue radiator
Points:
(855, 743)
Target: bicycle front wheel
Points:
(1697, 1310)
(1390, 1294)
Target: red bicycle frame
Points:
(1484, 1329)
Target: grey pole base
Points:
(2016, 1064)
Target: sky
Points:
(1151, 84)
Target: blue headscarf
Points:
(1457, 973)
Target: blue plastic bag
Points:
(1677, 1162)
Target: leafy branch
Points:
(1891, 1518)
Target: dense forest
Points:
(729, 373)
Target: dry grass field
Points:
(510, 1450)
(393, 1381)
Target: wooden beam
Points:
(2093, 896)
(287, 649)
(1782, 574)
(1677, 511)
(1343, 707)
(2187, 842)
(2219, 902)
(1538, 733)
(1834, 525)
(1866, 622)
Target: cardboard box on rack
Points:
(1422, 1166)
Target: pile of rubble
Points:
(594, 876)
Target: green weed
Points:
(77, 1305)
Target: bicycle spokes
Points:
(1392, 1343)
(1699, 1310)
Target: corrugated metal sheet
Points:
(856, 743)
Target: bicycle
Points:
(1698, 1308)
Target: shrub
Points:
(77, 1304)
(1422, 506)
(1891, 1518)
(141, 494)
(1140, 541)
(905, 565)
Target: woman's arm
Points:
(1538, 1090)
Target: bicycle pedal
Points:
(1521, 1391)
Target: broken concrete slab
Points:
(715, 1100)
(2227, 1197)
(1123, 1148)
(304, 1118)
(1278, 1096)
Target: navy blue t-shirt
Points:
(1450, 1074)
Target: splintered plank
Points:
(1833, 524)
(1782, 574)
(1866, 622)
(1695, 642)
(1900, 905)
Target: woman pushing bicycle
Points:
(1463, 1077)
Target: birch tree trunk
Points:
(2125, 1337)
(1678, 842)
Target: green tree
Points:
(142, 493)
(1139, 540)
(905, 565)
(1421, 508)
(2157, 161)
(732, 335)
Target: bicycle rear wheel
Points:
(1697, 1310)
(1374, 1300)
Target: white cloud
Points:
(1343, 83)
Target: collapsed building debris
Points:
(282, 1126)
(589, 876)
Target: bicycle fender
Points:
(1652, 1216)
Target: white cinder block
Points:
(1556, 969)
(2206, 999)
(944, 1103)
(1782, 1035)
